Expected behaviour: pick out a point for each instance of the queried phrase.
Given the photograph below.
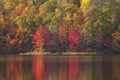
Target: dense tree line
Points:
(53, 25)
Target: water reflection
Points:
(59, 68)
(116, 68)
(38, 67)
(73, 68)
(63, 68)
(12, 67)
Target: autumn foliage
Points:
(20, 10)
(74, 39)
(63, 37)
(42, 38)
(16, 38)
(38, 39)
(55, 25)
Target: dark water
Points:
(59, 68)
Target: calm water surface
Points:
(59, 68)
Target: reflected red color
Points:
(38, 67)
(14, 67)
(73, 68)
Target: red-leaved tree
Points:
(41, 38)
(74, 39)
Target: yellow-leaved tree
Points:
(85, 6)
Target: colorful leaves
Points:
(62, 34)
(20, 11)
(38, 39)
(9, 4)
(116, 40)
(16, 38)
(64, 23)
(41, 37)
(74, 39)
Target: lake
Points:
(54, 67)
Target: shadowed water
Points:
(59, 68)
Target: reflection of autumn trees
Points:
(59, 68)
(14, 68)
(63, 69)
(2, 70)
(107, 70)
(38, 67)
(51, 68)
(116, 68)
(73, 68)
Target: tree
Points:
(99, 24)
(116, 40)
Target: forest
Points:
(59, 26)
